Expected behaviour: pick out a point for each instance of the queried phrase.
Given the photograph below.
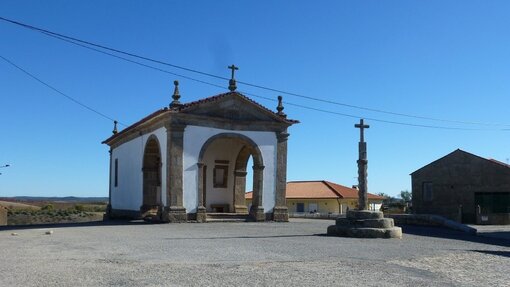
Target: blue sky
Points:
(440, 59)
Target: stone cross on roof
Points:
(232, 83)
(361, 127)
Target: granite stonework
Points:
(450, 186)
(365, 224)
(232, 112)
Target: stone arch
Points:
(257, 154)
(152, 178)
(249, 148)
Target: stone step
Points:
(365, 232)
(364, 214)
(226, 217)
(373, 223)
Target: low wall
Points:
(3, 216)
(493, 219)
(315, 215)
(429, 220)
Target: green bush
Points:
(48, 206)
(79, 207)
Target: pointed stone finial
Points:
(176, 96)
(232, 83)
(280, 108)
(114, 127)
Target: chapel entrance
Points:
(223, 164)
(151, 178)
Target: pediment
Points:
(232, 106)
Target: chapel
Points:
(188, 160)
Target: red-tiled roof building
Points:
(323, 197)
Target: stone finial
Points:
(176, 96)
(114, 127)
(232, 86)
(280, 108)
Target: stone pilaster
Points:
(174, 211)
(201, 210)
(281, 212)
(239, 191)
(257, 209)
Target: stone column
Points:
(362, 176)
(257, 209)
(239, 191)
(201, 211)
(174, 211)
(281, 212)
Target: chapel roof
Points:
(320, 189)
(187, 107)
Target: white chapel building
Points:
(188, 160)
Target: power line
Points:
(271, 99)
(58, 91)
(223, 88)
(84, 43)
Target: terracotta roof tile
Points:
(320, 189)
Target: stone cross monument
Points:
(363, 223)
(362, 167)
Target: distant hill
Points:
(55, 199)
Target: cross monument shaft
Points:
(362, 168)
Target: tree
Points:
(406, 195)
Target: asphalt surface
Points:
(246, 254)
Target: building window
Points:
(427, 191)
(300, 207)
(116, 172)
(220, 174)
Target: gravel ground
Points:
(246, 254)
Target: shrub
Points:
(79, 207)
(48, 206)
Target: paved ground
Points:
(496, 231)
(247, 254)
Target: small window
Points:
(300, 207)
(427, 191)
(116, 172)
(220, 174)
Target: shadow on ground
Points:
(498, 253)
(439, 232)
(76, 224)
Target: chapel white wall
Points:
(128, 195)
(194, 139)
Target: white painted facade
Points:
(194, 139)
(128, 194)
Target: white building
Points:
(185, 161)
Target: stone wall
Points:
(454, 180)
(3, 216)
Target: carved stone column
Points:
(257, 209)
(239, 192)
(281, 212)
(201, 211)
(174, 211)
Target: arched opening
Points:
(151, 178)
(223, 163)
